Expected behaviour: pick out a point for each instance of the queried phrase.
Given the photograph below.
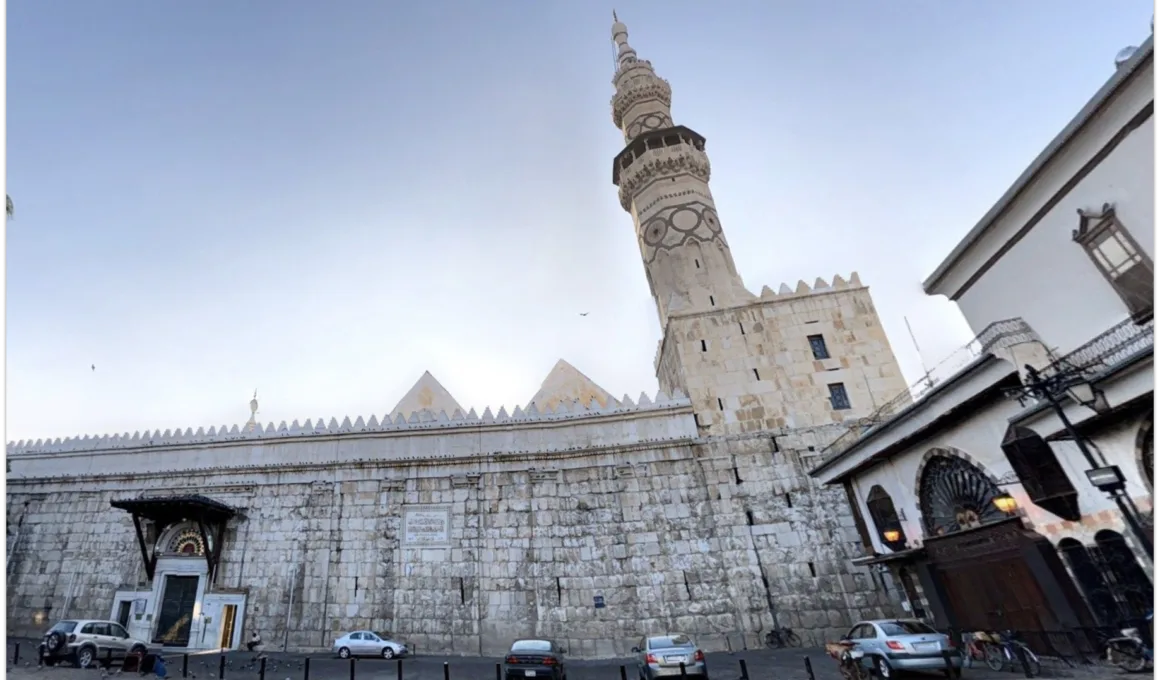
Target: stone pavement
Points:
(762, 664)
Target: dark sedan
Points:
(534, 659)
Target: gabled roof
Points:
(426, 394)
(565, 383)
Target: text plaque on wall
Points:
(427, 526)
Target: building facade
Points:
(578, 516)
(981, 496)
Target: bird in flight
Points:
(94, 367)
(583, 313)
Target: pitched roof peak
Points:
(426, 394)
(566, 383)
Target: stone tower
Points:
(802, 357)
(663, 176)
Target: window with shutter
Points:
(1119, 258)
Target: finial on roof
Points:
(253, 421)
(614, 19)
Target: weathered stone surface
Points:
(673, 534)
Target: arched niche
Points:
(1043, 478)
(1129, 583)
(883, 514)
(954, 495)
(1144, 443)
(1091, 581)
(181, 540)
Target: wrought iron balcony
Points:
(1107, 350)
(997, 335)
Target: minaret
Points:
(663, 176)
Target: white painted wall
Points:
(1046, 278)
(980, 438)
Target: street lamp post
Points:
(1106, 478)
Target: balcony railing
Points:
(1107, 350)
(999, 334)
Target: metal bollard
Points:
(185, 665)
(222, 667)
(262, 669)
(306, 669)
(109, 657)
(352, 668)
(809, 668)
(498, 672)
(399, 669)
(744, 669)
(446, 671)
(1021, 651)
(683, 673)
(16, 655)
(623, 673)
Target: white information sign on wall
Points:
(427, 526)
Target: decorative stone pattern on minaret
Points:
(663, 177)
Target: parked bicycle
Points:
(782, 637)
(1004, 649)
(971, 647)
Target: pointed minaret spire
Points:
(253, 421)
(687, 260)
(624, 52)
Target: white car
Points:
(366, 643)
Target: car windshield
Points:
(669, 641)
(531, 646)
(64, 627)
(906, 628)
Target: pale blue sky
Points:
(324, 199)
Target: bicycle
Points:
(1006, 651)
(782, 637)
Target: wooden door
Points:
(176, 616)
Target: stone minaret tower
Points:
(663, 177)
(802, 357)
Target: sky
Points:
(322, 200)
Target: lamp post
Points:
(1106, 478)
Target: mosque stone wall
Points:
(465, 552)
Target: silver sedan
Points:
(902, 644)
(366, 643)
(663, 655)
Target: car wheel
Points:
(343, 653)
(883, 667)
(85, 657)
(388, 653)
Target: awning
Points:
(173, 509)
(909, 555)
(165, 511)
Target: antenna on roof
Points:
(925, 371)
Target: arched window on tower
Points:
(1043, 478)
(885, 518)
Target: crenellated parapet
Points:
(565, 412)
(820, 287)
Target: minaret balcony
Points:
(657, 144)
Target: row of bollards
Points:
(952, 670)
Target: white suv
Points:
(87, 642)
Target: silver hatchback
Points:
(902, 644)
(662, 656)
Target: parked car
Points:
(535, 659)
(87, 642)
(366, 643)
(902, 644)
(662, 656)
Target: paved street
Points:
(763, 664)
